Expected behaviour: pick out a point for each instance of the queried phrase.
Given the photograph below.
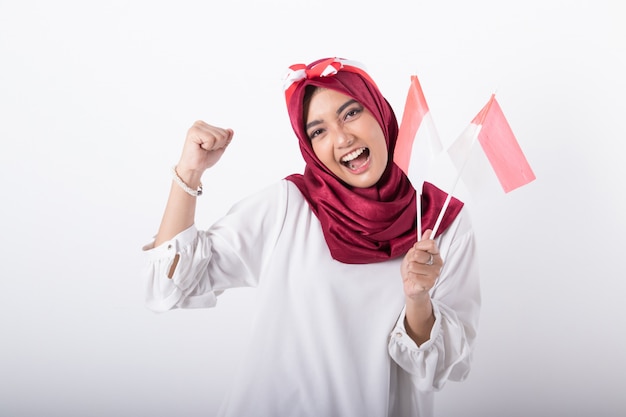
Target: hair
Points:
(309, 91)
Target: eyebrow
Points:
(338, 112)
(344, 105)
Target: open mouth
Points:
(356, 159)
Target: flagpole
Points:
(430, 125)
(419, 216)
(456, 181)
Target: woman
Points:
(356, 316)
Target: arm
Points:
(169, 283)
(192, 269)
(429, 355)
(204, 146)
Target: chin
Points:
(362, 183)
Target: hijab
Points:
(360, 225)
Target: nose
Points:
(343, 138)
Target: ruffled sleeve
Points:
(456, 303)
(196, 266)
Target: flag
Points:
(418, 142)
(498, 146)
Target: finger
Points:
(214, 138)
(427, 244)
(223, 138)
(419, 264)
(421, 279)
(425, 258)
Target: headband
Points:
(324, 68)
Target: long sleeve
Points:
(315, 313)
(456, 305)
(193, 268)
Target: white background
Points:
(95, 101)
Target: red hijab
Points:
(360, 225)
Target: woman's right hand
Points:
(204, 146)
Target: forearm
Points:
(419, 318)
(204, 146)
(180, 209)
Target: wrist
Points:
(419, 310)
(419, 320)
(191, 185)
(191, 177)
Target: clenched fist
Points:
(204, 146)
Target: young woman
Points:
(356, 316)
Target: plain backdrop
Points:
(95, 101)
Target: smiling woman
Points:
(346, 138)
(356, 317)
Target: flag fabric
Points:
(418, 147)
(418, 142)
(498, 144)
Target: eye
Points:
(353, 112)
(314, 133)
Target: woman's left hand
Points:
(420, 268)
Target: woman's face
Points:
(346, 138)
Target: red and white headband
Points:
(325, 68)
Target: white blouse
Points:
(328, 338)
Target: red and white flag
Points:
(498, 149)
(418, 142)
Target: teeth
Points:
(352, 155)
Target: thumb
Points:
(427, 234)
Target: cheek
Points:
(381, 146)
(320, 149)
(316, 149)
(381, 166)
(385, 159)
